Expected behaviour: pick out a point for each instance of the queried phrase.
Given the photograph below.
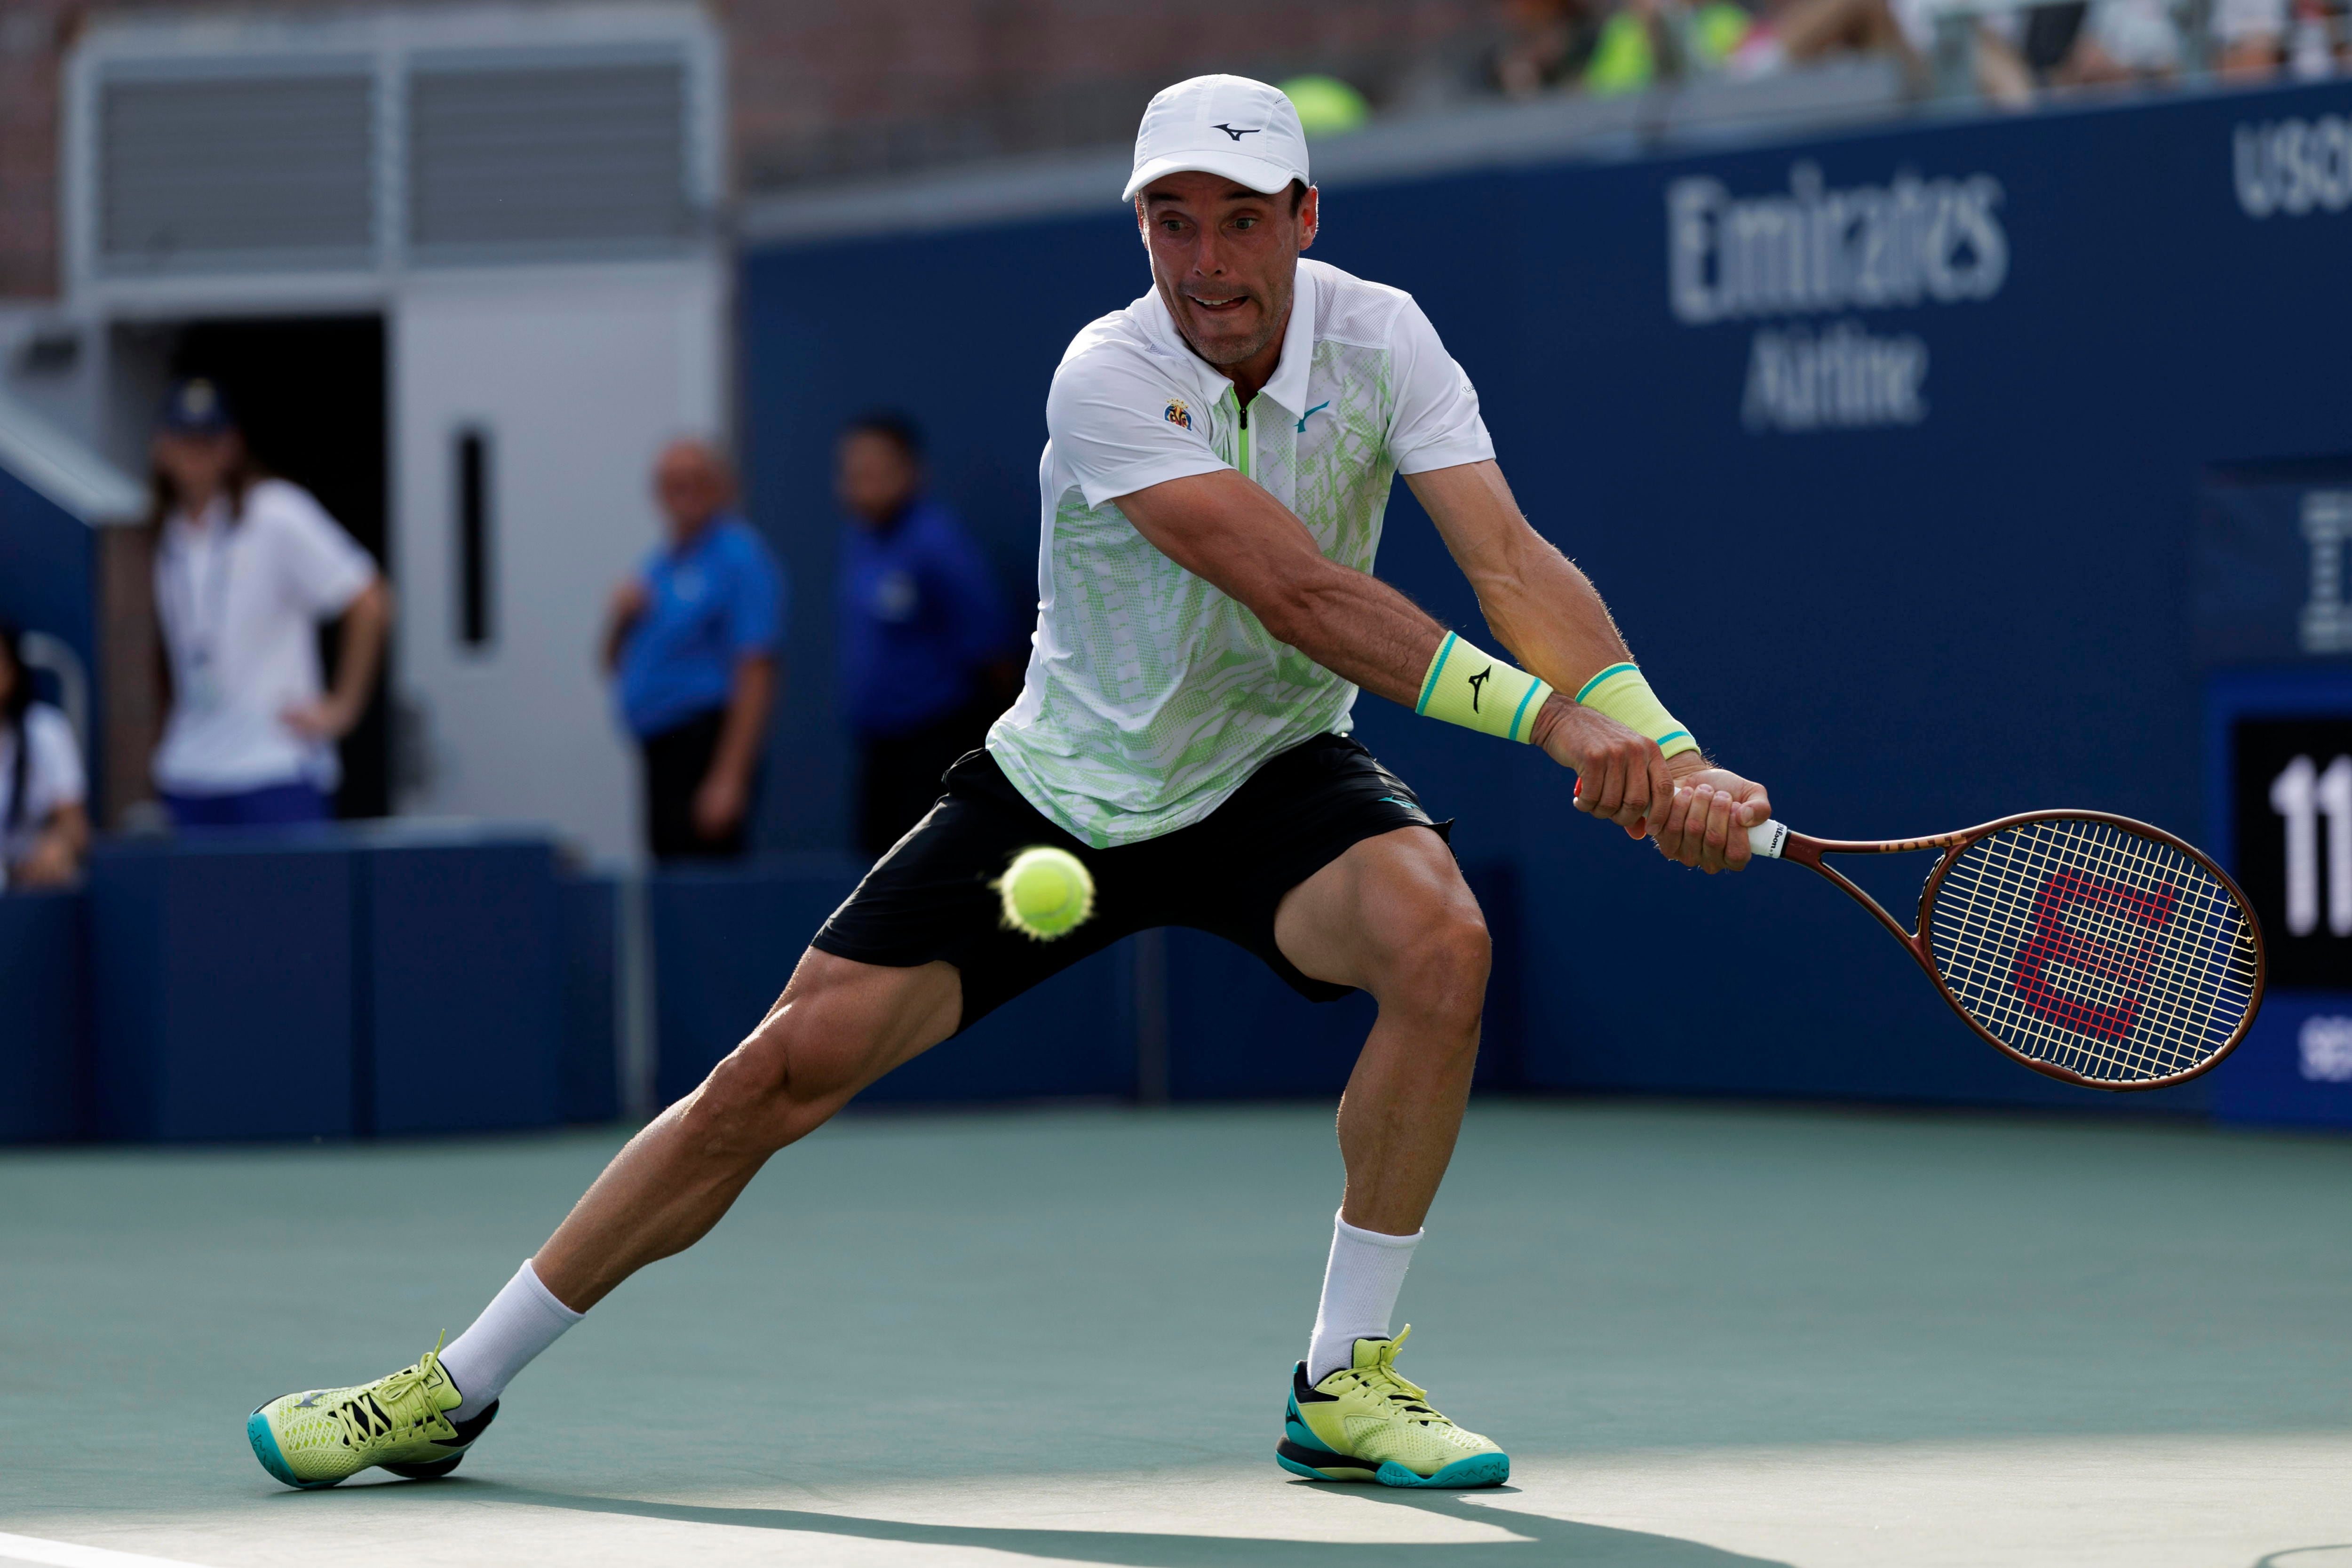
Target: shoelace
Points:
(363, 1416)
(1383, 1379)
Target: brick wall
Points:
(836, 88)
(33, 35)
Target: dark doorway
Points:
(309, 393)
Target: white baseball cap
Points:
(1226, 125)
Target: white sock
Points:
(1359, 1291)
(521, 1321)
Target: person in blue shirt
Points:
(924, 664)
(693, 640)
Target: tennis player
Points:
(1220, 457)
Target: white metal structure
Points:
(527, 198)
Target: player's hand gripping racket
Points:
(2091, 948)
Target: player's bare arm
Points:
(1224, 528)
(1547, 613)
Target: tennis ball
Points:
(1047, 893)
(1327, 106)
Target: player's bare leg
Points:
(1392, 916)
(839, 1026)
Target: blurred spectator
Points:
(1802, 31)
(43, 825)
(1546, 44)
(2250, 36)
(2121, 41)
(1645, 40)
(923, 660)
(2314, 40)
(693, 640)
(246, 566)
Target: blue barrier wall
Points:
(45, 1042)
(461, 1003)
(332, 984)
(1902, 527)
(223, 984)
(589, 910)
(46, 561)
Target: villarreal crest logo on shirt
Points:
(1178, 415)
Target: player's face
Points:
(1224, 260)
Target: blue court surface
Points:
(1709, 1335)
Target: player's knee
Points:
(1440, 973)
(768, 1091)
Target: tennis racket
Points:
(2094, 949)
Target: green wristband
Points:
(1478, 692)
(1622, 693)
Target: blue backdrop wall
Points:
(48, 558)
(1886, 448)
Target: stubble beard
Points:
(1230, 352)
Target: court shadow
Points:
(2278, 1559)
(1542, 1540)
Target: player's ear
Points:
(1309, 208)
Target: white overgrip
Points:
(1766, 839)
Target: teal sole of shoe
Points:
(265, 1449)
(1479, 1471)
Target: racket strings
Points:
(2089, 947)
(2091, 983)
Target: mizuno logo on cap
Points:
(1237, 135)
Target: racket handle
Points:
(1766, 839)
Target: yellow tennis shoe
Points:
(401, 1422)
(1364, 1423)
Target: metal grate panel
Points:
(548, 155)
(193, 169)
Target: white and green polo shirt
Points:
(1151, 695)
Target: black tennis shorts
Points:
(929, 898)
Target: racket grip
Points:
(1766, 839)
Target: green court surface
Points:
(1709, 1336)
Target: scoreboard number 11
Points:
(2302, 794)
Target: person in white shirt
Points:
(246, 566)
(44, 825)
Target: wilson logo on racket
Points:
(2104, 970)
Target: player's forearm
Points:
(1551, 619)
(1543, 610)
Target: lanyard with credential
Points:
(203, 639)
